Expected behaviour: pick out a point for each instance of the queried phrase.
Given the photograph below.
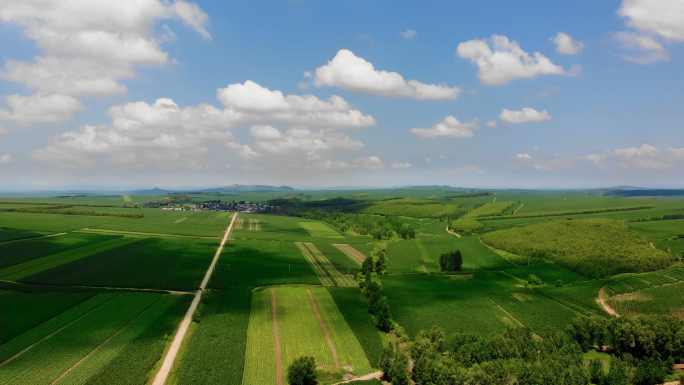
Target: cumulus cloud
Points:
(501, 61)
(449, 127)
(526, 115)
(39, 108)
(567, 45)
(351, 72)
(646, 157)
(371, 163)
(663, 17)
(254, 102)
(165, 135)
(401, 165)
(301, 139)
(639, 48)
(596, 160)
(491, 123)
(5, 159)
(554, 164)
(89, 46)
(408, 34)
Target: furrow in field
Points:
(325, 281)
(325, 329)
(341, 279)
(355, 255)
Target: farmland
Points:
(96, 288)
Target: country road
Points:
(167, 365)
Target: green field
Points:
(321, 230)
(667, 300)
(153, 263)
(216, 351)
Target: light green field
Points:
(319, 229)
(127, 198)
(260, 359)
(666, 300)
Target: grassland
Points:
(216, 351)
(593, 248)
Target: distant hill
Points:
(643, 193)
(153, 191)
(236, 188)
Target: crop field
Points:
(79, 349)
(25, 250)
(13, 234)
(127, 198)
(216, 351)
(153, 263)
(260, 357)
(549, 273)
(327, 272)
(354, 255)
(593, 248)
(667, 300)
(248, 264)
(319, 229)
(415, 208)
(359, 320)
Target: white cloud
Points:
(596, 160)
(302, 140)
(39, 108)
(89, 46)
(5, 159)
(640, 49)
(442, 157)
(428, 160)
(646, 157)
(371, 163)
(523, 158)
(566, 45)
(408, 34)
(506, 61)
(526, 115)
(350, 72)
(401, 165)
(663, 17)
(449, 127)
(255, 103)
(491, 123)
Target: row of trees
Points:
(451, 261)
(376, 226)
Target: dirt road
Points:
(325, 329)
(603, 303)
(167, 364)
(451, 232)
(369, 376)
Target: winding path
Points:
(167, 364)
(603, 303)
(451, 232)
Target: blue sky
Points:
(309, 93)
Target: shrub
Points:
(302, 371)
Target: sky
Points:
(304, 93)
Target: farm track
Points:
(351, 252)
(325, 330)
(516, 210)
(507, 313)
(335, 274)
(369, 376)
(276, 336)
(322, 276)
(603, 303)
(167, 363)
(451, 232)
(152, 234)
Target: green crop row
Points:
(260, 356)
(636, 282)
(663, 300)
(216, 352)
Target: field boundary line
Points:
(167, 363)
(322, 276)
(58, 329)
(276, 336)
(117, 331)
(325, 329)
(34, 237)
(342, 279)
(507, 313)
(141, 233)
(123, 289)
